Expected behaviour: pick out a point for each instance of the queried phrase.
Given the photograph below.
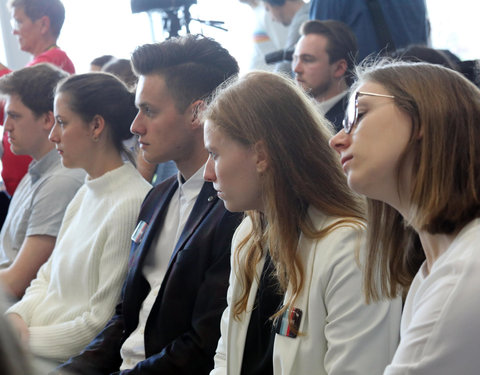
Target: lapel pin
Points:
(211, 198)
(139, 231)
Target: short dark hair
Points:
(35, 9)
(102, 60)
(342, 43)
(103, 94)
(121, 68)
(193, 66)
(34, 86)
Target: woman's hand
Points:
(20, 327)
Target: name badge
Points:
(282, 326)
(139, 231)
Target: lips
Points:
(345, 159)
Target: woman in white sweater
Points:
(76, 291)
(295, 302)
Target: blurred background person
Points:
(323, 63)
(97, 63)
(37, 24)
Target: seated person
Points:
(168, 320)
(295, 302)
(36, 211)
(76, 291)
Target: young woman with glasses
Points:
(411, 144)
(295, 303)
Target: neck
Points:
(44, 46)
(335, 89)
(42, 151)
(103, 161)
(189, 165)
(435, 245)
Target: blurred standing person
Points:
(405, 22)
(290, 13)
(37, 24)
(268, 36)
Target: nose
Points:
(54, 133)
(137, 127)
(209, 173)
(340, 141)
(296, 66)
(7, 126)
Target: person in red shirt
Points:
(37, 24)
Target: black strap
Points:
(384, 38)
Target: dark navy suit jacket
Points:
(183, 327)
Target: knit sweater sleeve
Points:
(67, 338)
(61, 338)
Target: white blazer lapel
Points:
(285, 348)
(237, 330)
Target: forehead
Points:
(14, 103)
(19, 13)
(153, 90)
(311, 44)
(371, 87)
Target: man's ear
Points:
(44, 25)
(196, 108)
(48, 120)
(261, 155)
(340, 67)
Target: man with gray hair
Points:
(36, 211)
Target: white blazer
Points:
(339, 333)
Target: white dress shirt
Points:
(156, 262)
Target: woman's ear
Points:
(261, 155)
(97, 126)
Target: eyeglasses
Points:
(351, 113)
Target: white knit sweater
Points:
(76, 290)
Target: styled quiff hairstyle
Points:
(444, 108)
(302, 171)
(34, 85)
(192, 66)
(102, 94)
(35, 9)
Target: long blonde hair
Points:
(302, 171)
(444, 108)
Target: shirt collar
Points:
(38, 168)
(189, 189)
(326, 105)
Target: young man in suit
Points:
(323, 60)
(169, 317)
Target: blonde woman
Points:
(295, 303)
(411, 144)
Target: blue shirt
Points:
(406, 19)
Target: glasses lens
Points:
(350, 114)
